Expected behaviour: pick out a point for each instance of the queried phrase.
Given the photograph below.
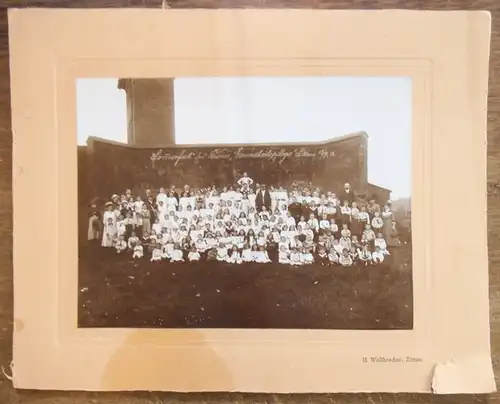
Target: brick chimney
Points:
(150, 111)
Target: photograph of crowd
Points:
(246, 223)
(226, 202)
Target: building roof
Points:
(339, 139)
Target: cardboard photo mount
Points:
(445, 54)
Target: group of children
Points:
(230, 227)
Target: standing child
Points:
(110, 231)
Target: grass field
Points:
(115, 291)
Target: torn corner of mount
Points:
(469, 376)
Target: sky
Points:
(274, 109)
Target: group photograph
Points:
(245, 202)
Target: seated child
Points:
(283, 243)
(345, 232)
(345, 242)
(235, 257)
(333, 226)
(138, 251)
(322, 256)
(378, 256)
(157, 253)
(283, 255)
(295, 257)
(200, 244)
(324, 223)
(222, 255)
(333, 256)
(345, 259)
(168, 247)
(121, 245)
(193, 255)
(337, 247)
(132, 240)
(210, 241)
(176, 255)
(246, 254)
(262, 256)
(365, 256)
(306, 256)
(381, 244)
(368, 234)
(354, 254)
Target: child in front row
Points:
(235, 257)
(193, 255)
(246, 254)
(283, 256)
(157, 253)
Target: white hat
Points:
(346, 184)
(108, 204)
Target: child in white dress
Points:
(365, 256)
(377, 222)
(121, 245)
(246, 254)
(193, 255)
(306, 257)
(222, 255)
(176, 255)
(262, 256)
(235, 257)
(381, 244)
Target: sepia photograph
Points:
(245, 202)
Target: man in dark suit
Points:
(346, 195)
(262, 198)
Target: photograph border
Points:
(236, 43)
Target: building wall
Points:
(114, 167)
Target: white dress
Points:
(110, 231)
(138, 251)
(246, 255)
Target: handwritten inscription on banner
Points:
(240, 153)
